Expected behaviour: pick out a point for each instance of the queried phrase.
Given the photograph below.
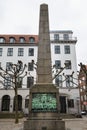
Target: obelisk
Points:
(44, 95)
(44, 66)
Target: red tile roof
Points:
(17, 37)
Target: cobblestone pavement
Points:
(71, 124)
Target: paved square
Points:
(71, 124)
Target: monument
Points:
(44, 95)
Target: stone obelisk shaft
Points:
(44, 71)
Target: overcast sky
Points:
(22, 17)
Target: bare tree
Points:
(14, 71)
(59, 70)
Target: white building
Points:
(25, 48)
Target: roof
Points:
(61, 31)
(18, 36)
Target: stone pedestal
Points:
(44, 125)
(44, 113)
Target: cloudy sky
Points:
(22, 17)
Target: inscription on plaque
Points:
(44, 102)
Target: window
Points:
(57, 49)
(58, 80)
(22, 40)
(30, 66)
(19, 103)
(5, 103)
(1, 51)
(8, 66)
(19, 82)
(67, 49)
(31, 51)
(69, 81)
(30, 81)
(20, 51)
(20, 67)
(68, 64)
(2, 40)
(7, 82)
(10, 52)
(31, 39)
(27, 102)
(58, 64)
(66, 37)
(71, 103)
(56, 37)
(12, 40)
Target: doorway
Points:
(62, 104)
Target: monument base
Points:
(44, 124)
(44, 108)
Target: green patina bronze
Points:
(44, 102)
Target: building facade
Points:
(25, 48)
(83, 87)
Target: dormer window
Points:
(22, 40)
(31, 40)
(2, 40)
(12, 40)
